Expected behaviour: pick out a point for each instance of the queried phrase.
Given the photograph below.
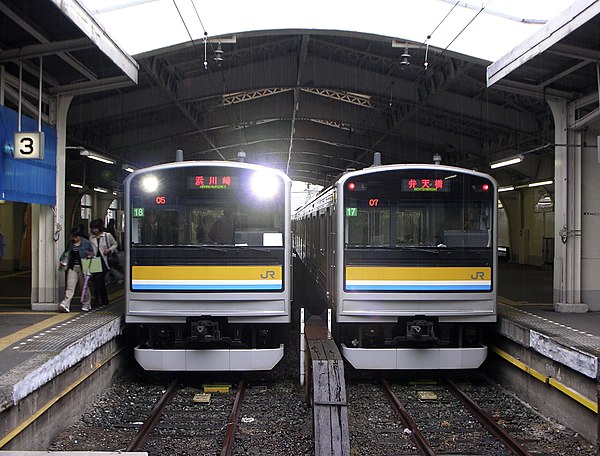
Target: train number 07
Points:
(374, 202)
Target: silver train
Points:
(208, 265)
(405, 258)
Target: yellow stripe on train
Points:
(271, 272)
(418, 274)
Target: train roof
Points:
(339, 181)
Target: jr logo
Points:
(268, 275)
(478, 276)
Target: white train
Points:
(406, 258)
(208, 265)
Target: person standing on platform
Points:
(103, 244)
(114, 271)
(78, 249)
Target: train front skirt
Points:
(415, 358)
(260, 359)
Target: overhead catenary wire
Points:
(206, 43)
(466, 26)
(199, 20)
(426, 42)
(498, 13)
(208, 140)
(183, 21)
(426, 65)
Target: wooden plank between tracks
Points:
(330, 410)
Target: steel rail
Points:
(487, 421)
(416, 435)
(146, 429)
(233, 419)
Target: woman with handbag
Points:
(104, 244)
(115, 274)
(78, 249)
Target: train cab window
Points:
(418, 208)
(206, 206)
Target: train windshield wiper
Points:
(213, 249)
(426, 250)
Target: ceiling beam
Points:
(96, 33)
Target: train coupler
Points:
(420, 330)
(205, 331)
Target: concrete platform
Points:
(547, 357)
(572, 339)
(45, 354)
(49, 346)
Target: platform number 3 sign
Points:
(29, 146)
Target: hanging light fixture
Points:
(96, 156)
(541, 183)
(405, 58)
(508, 188)
(219, 54)
(507, 161)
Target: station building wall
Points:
(590, 220)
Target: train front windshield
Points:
(207, 206)
(419, 230)
(419, 209)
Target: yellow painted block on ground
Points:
(216, 388)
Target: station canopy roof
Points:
(313, 90)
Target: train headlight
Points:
(264, 185)
(150, 183)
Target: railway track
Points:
(275, 419)
(442, 418)
(473, 417)
(172, 422)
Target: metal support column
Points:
(567, 210)
(48, 228)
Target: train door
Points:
(330, 216)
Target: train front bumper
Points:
(415, 358)
(209, 359)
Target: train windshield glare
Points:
(418, 208)
(207, 206)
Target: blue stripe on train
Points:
(204, 287)
(418, 287)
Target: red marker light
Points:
(351, 186)
(485, 187)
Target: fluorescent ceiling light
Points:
(539, 184)
(100, 190)
(506, 189)
(97, 157)
(507, 162)
(128, 168)
(74, 185)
